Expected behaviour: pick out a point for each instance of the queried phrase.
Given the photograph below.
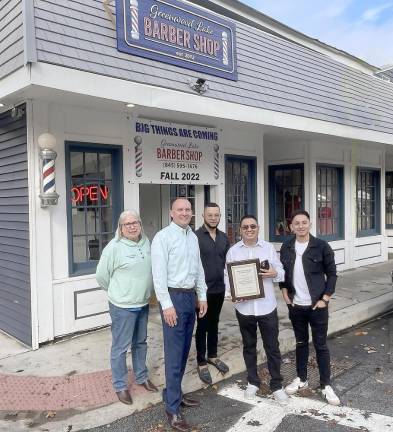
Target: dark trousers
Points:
(268, 326)
(177, 343)
(208, 326)
(301, 317)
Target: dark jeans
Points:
(268, 326)
(177, 343)
(208, 325)
(301, 317)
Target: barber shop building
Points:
(112, 105)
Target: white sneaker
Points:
(281, 397)
(330, 396)
(296, 384)
(250, 391)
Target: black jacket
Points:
(318, 265)
(213, 255)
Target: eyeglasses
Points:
(132, 224)
(247, 227)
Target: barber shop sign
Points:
(176, 33)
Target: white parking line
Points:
(269, 414)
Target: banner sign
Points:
(171, 153)
(176, 33)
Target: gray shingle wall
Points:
(273, 73)
(15, 294)
(11, 36)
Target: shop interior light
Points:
(130, 105)
(1, 105)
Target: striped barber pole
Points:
(134, 19)
(138, 156)
(216, 161)
(225, 60)
(48, 176)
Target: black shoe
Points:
(124, 397)
(204, 375)
(149, 386)
(188, 402)
(177, 422)
(219, 364)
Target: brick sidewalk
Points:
(31, 393)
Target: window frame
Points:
(116, 151)
(341, 201)
(377, 183)
(387, 225)
(252, 185)
(272, 197)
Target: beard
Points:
(211, 226)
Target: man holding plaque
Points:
(247, 278)
(213, 245)
(177, 275)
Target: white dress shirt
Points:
(262, 250)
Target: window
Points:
(367, 200)
(94, 202)
(184, 191)
(330, 202)
(389, 199)
(240, 193)
(286, 195)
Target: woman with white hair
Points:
(124, 271)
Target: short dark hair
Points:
(248, 216)
(300, 212)
(210, 204)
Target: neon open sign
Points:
(92, 193)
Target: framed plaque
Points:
(244, 280)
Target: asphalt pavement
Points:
(362, 366)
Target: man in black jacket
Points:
(310, 280)
(213, 245)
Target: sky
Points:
(363, 28)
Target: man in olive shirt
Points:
(213, 245)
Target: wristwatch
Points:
(325, 301)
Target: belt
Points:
(181, 290)
(302, 306)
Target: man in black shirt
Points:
(213, 245)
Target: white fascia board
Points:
(14, 82)
(86, 83)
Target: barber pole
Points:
(225, 48)
(216, 161)
(134, 19)
(138, 156)
(48, 195)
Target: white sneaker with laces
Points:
(296, 384)
(250, 391)
(281, 397)
(330, 396)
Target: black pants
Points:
(301, 317)
(268, 326)
(208, 326)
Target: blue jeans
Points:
(177, 343)
(128, 328)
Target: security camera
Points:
(199, 85)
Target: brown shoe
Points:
(125, 397)
(189, 402)
(177, 422)
(149, 386)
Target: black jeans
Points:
(301, 317)
(208, 325)
(268, 326)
